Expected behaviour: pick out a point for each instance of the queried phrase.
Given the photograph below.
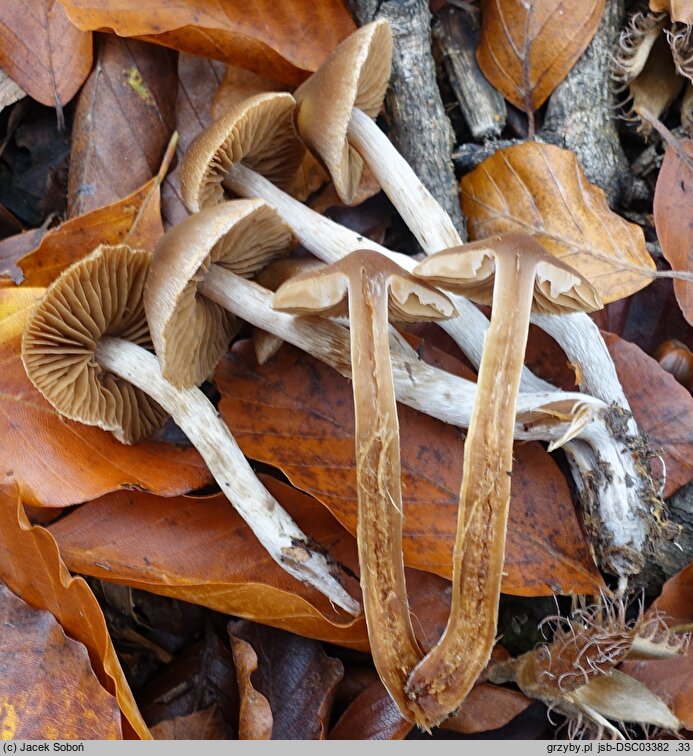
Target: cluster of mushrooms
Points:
(89, 345)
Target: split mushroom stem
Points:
(442, 680)
(84, 349)
(375, 289)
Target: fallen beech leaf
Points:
(487, 707)
(48, 688)
(198, 80)
(282, 41)
(179, 547)
(527, 47)
(662, 407)
(42, 51)
(56, 462)
(297, 414)
(672, 679)
(205, 724)
(372, 715)
(255, 715)
(31, 567)
(673, 209)
(136, 217)
(679, 10)
(541, 190)
(14, 248)
(123, 122)
(294, 676)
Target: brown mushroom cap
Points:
(326, 291)
(356, 75)
(258, 132)
(469, 270)
(190, 331)
(101, 295)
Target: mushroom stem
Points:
(198, 419)
(442, 680)
(576, 422)
(424, 217)
(378, 483)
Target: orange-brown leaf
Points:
(282, 41)
(527, 47)
(255, 715)
(297, 414)
(180, 547)
(487, 707)
(673, 214)
(30, 565)
(679, 10)
(205, 724)
(136, 217)
(541, 190)
(48, 688)
(676, 599)
(56, 462)
(372, 715)
(123, 122)
(42, 51)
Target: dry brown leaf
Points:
(673, 210)
(297, 414)
(282, 41)
(657, 85)
(42, 51)
(136, 218)
(198, 80)
(255, 715)
(31, 567)
(679, 10)
(56, 462)
(295, 678)
(13, 248)
(123, 122)
(487, 707)
(179, 547)
(205, 724)
(372, 715)
(47, 687)
(541, 190)
(527, 47)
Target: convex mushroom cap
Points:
(190, 331)
(259, 133)
(325, 291)
(100, 296)
(355, 75)
(470, 270)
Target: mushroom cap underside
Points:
(259, 132)
(191, 332)
(100, 295)
(355, 75)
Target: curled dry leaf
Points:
(31, 567)
(56, 462)
(541, 190)
(123, 122)
(294, 676)
(673, 214)
(42, 51)
(679, 10)
(179, 547)
(198, 81)
(283, 41)
(527, 47)
(255, 715)
(136, 218)
(48, 688)
(301, 421)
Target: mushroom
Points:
(334, 108)
(85, 348)
(375, 287)
(516, 271)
